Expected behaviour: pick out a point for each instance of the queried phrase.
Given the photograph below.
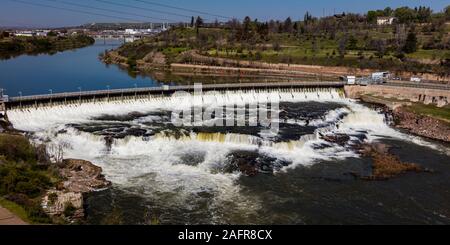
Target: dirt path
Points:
(8, 218)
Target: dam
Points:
(142, 93)
(197, 174)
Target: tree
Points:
(371, 16)
(4, 34)
(296, 27)
(276, 46)
(288, 25)
(388, 11)
(405, 15)
(307, 18)
(380, 47)
(447, 12)
(198, 24)
(52, 34)
(352, 43)
(424, 14)
(410, 43)
(342, 47)
(192, 22)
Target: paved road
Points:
(8, 218)
(418, 85)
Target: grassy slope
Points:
(15, 209)
(432, 111)
(441, 113)
(22, 180)
(294, 49)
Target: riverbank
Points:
(429, 121)
(11, 213)
(38, 190)
(193, 64)
(217, 47)
(11, 47)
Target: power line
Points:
(75, 11)
(184, 9)
(142, 8)
(110, 10)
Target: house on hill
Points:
(385, 20)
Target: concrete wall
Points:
(427, 96)
(2, 108)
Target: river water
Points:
(169, 174)
(67, 72)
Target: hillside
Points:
(347, 40)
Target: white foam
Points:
(156, 165)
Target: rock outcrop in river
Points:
(79, 177)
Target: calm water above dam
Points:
(191, 175)
(66, 72)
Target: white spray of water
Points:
(157, 165)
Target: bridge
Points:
(142, 93)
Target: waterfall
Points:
(41, 118)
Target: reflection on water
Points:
(67, 72)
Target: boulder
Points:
(82, 176)
(57, 203)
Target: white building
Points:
(385, 20)
(131, 31)
(25, 34)
(42, 33)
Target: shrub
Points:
(17, 148)
(69, 210)
(52, 198)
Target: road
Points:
(418, 85)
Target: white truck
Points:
(416, 79)
(351, 80)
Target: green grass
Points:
(430, 54)
(432, 111)
(442, 113)
(15, 209)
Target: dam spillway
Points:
(143, 93)
(192, 174)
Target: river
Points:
(166, 174)
(67, 72)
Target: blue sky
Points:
(13, 13)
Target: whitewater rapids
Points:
(187, 164)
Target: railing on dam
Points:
(162, 90)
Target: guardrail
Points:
(167, 89)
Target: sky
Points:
(17, 13)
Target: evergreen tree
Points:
(410, 43)
(288, 25)
(192, 21)
(198, 23)
(447, 12)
